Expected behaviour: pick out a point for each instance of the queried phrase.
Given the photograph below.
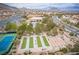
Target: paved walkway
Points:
(21, 41)
(27, 44)
(35, 41)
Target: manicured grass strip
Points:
(24, 43)
(39, 42)
(45, 41)
(31, 42)
(1, 36)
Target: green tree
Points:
(59, 15)
(50, 25)
(71, 34)
(42, 27)
(24, 16)
(45, 19)
(64, 50)
(38, 28)
(54, 31)
(77, 25)
(22, 28)
(11, 26)
(76, 47)
(29, 28)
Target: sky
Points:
(45, 5)
(38, 5)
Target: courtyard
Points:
(34, 41)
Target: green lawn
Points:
(39, 42)
(45, 41)
(1, 36)
(31, 42)
(24, 43)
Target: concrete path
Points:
(21, 41)
(35, 41)
(27, 44)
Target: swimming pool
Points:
(6, 42)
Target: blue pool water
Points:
(6, 43)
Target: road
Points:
(14, 18)
(68, 27)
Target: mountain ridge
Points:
(4, 6)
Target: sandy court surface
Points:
(57, 41)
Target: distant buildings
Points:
(6, 13)
(71, 18)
